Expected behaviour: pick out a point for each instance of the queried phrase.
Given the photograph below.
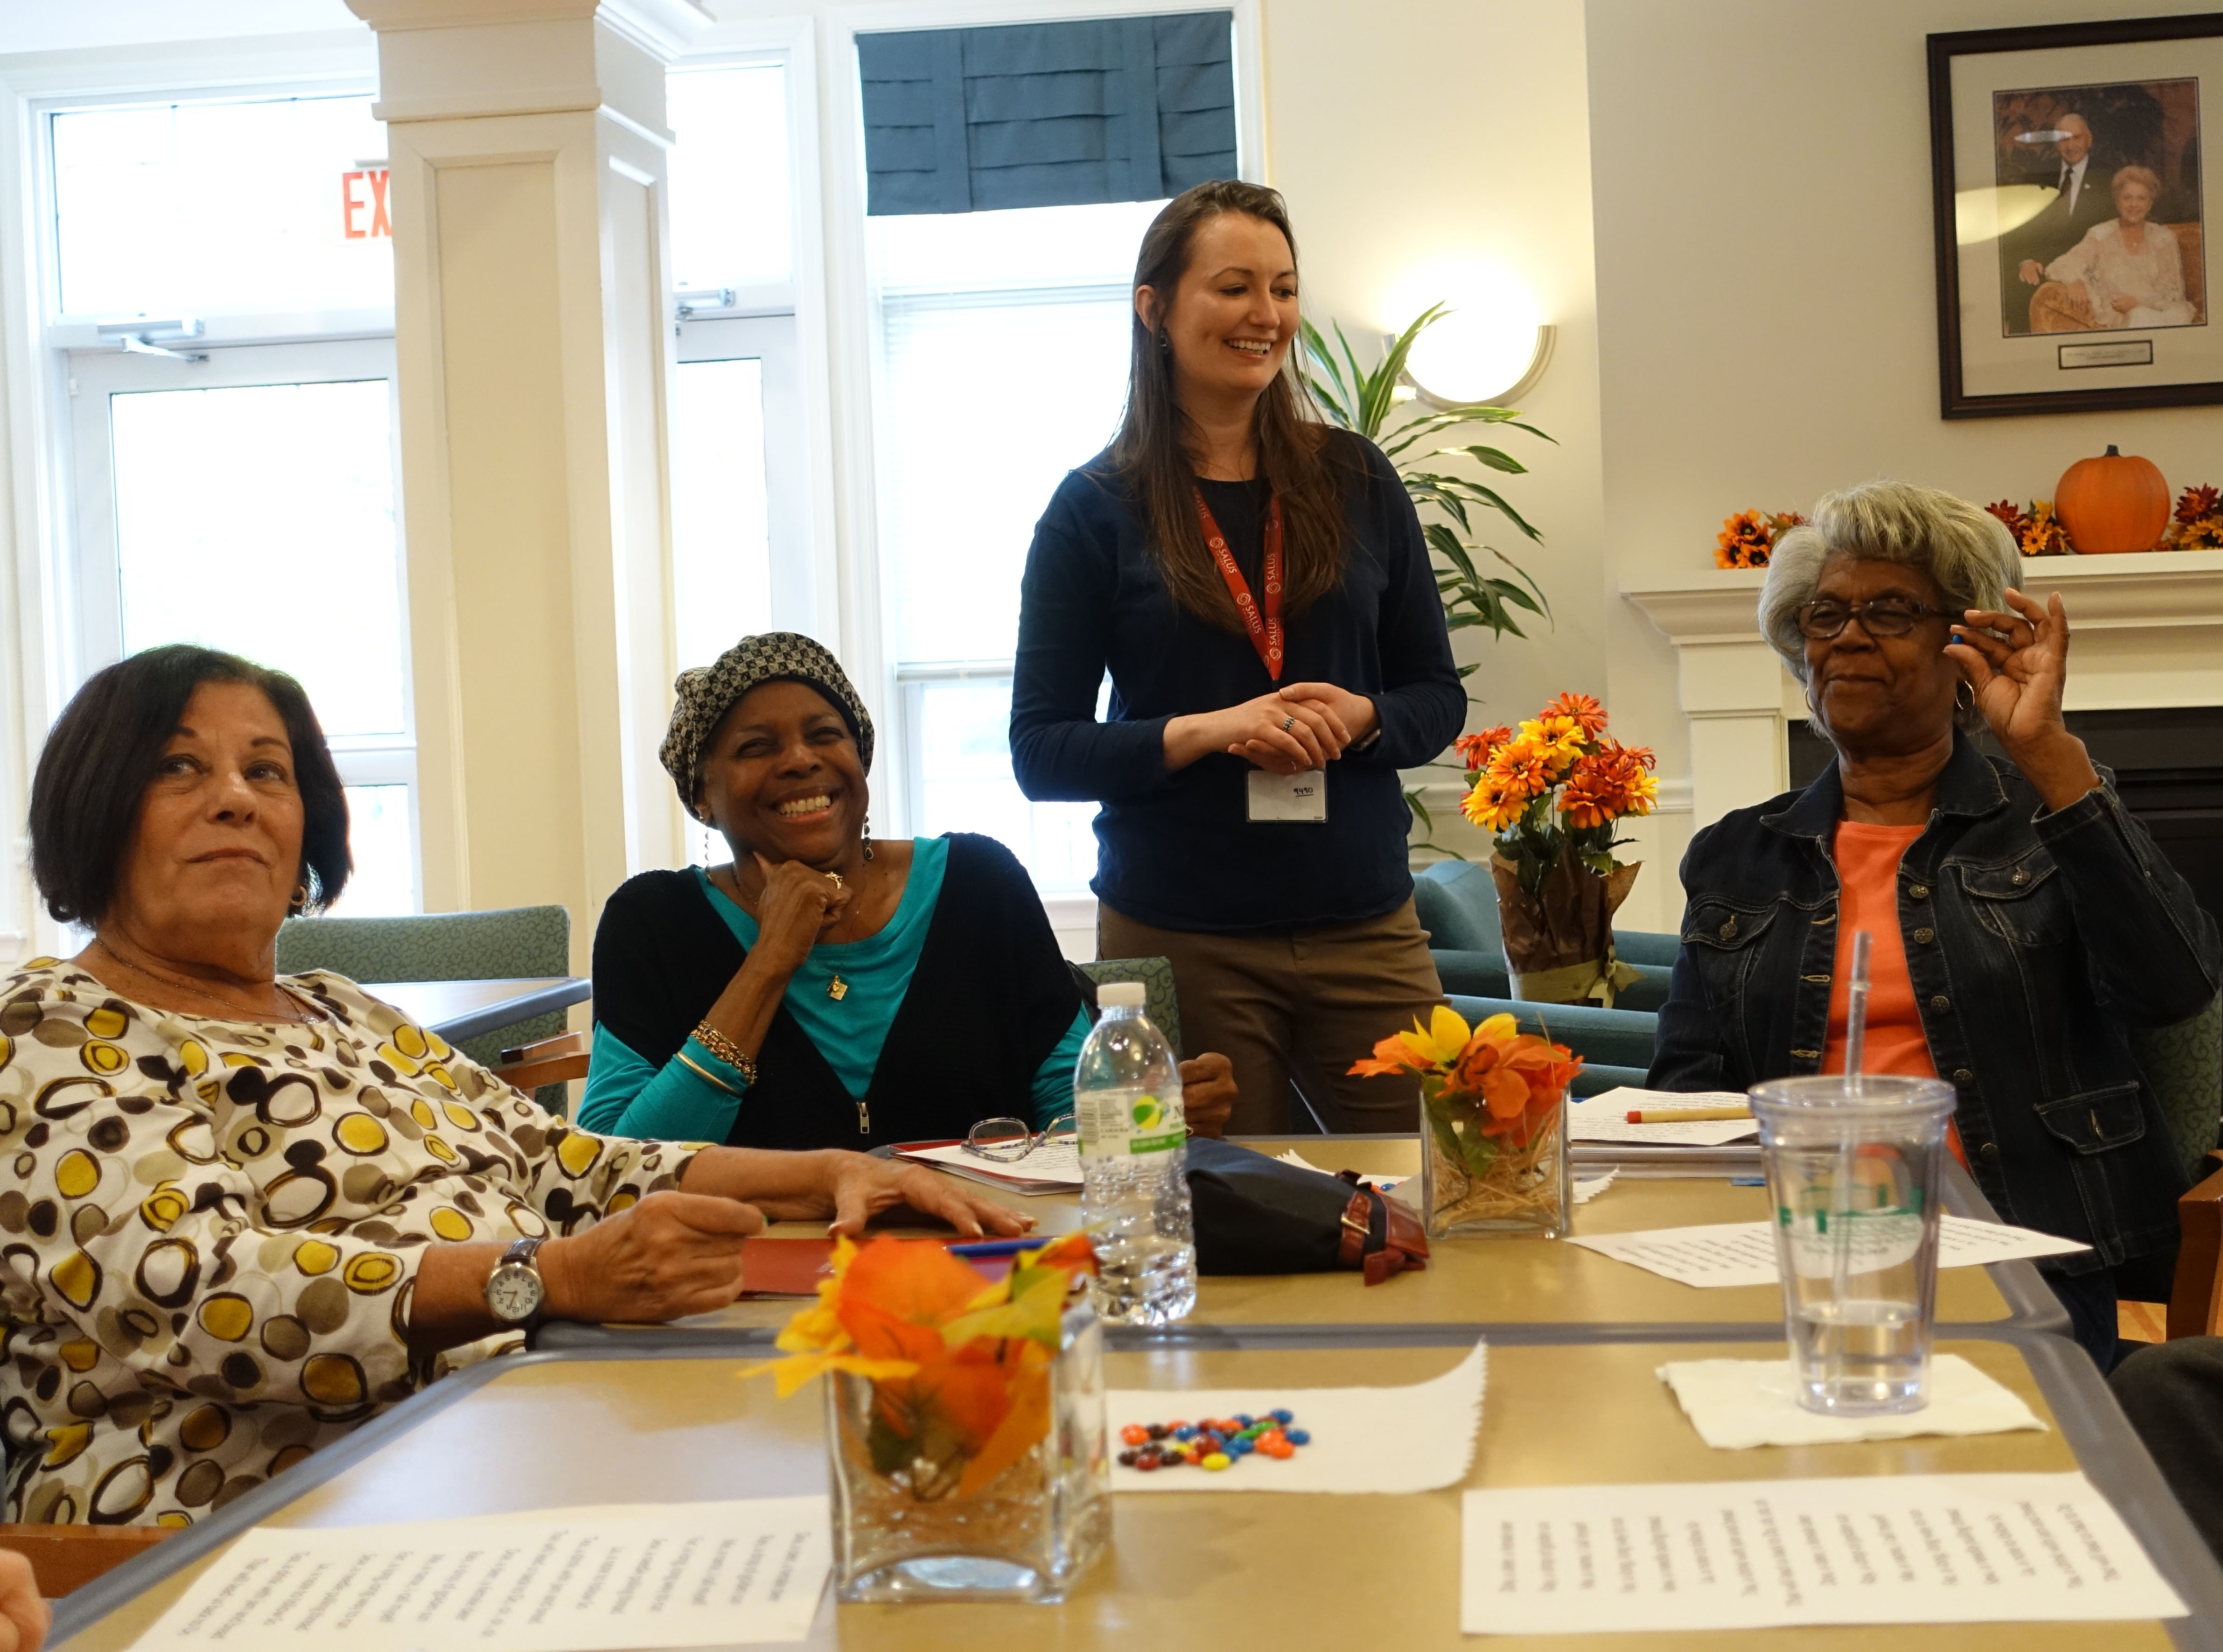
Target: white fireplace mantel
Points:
(2147, 632)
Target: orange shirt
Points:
(1868, 872)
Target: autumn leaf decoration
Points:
(960, 1366)
(2199, 521)
(1749, 538)
(2037, 532)
(1492, 1088)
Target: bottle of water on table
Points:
(1134, 1158)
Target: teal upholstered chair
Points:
(517, 942)
(1157, 975)
(1457, 901)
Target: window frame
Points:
(807, 595)
(869, 625)
(39, 616)
(381, 759)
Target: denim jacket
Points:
(2032, 939)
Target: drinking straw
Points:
(1856, 1012)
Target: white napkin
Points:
(1737, 1403)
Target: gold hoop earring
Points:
(1964, 698)
(300, 898)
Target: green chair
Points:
(517, 942)
(2183, 1065)
(1457, 901)
(1157, 975)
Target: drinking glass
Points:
(1853, 1169)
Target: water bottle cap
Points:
(1120, 995)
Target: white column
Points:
(534, 339)
(1731, 686)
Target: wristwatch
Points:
(514, 1292)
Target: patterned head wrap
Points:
(704, 694)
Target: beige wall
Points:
(1422, 132)
(1765, 279)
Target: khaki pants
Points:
(1301, 1004)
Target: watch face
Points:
(513, 1292)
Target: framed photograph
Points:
(2072, 200)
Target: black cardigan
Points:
(1179, 850)
(988, 1001)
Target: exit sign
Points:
(362, 204)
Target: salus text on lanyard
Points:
(1278, 798)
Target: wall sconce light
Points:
(1488, 348)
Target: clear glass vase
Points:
(1473, 1182)
(911, 1530)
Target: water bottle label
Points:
(1116, 1125)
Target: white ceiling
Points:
(61, 25)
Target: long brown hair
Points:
(1153, 453)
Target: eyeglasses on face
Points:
(1882, 616)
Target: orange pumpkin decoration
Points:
(2117, 502)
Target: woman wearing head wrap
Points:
(824, 988)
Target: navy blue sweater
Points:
(1177, 850)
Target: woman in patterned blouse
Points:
(239, 1213)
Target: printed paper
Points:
(1921, 1549)
(589, 1580)
(1604, 1118)
(1743, 1253)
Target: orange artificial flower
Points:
(959, 1363)
(1519, 1075)
(1745, 541)
(1611, 782)
(1474, 750)
(1588, 714)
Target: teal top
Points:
(697, 1097)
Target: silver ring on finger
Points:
(1288, 723)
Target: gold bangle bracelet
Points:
(726, 1050)
(706, 1075)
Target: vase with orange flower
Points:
(964, 1420)
(1551, 792)
(1493, 1123)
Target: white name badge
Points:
(1289, 797)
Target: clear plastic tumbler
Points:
(1853, 1169)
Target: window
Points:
(1015, 323)
(229, 489)
(740, 466)
(194, 209)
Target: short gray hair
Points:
(1964, 547)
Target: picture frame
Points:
(2071, 195)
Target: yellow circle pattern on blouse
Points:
(209, 1231)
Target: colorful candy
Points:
(1214, 1443)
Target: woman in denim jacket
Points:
(2020, 919)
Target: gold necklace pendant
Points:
(837, 989)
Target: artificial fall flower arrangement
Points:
(2037, 532)
(960, 1366)
(1748, 539)
(2197, 524)
(1551, 793)
(1491, 1097)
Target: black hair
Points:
(102, 753)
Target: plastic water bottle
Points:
(1134, 1158)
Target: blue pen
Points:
(997, 1247)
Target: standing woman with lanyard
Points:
(1256, 585)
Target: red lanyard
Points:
(1266, 633)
